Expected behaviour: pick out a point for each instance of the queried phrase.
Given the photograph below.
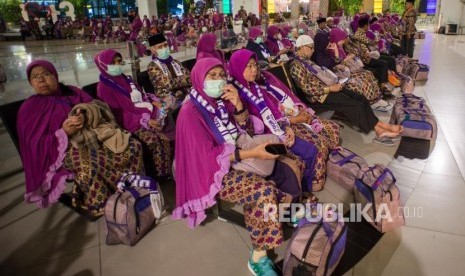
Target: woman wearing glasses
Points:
(208, 127)
(141, 114)
(45, 130)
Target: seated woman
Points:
(324, 134)
(332, 56)
(137, 112)
(274, 44)
(256, 99)
(256, 45)
(49, 159)
(207, 48)
(353, 105)
(208, 126)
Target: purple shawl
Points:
(201, 160)
(237, 65)
(137, 24)
(43, 142)
(206, 48)
(109, 90)
(321, 56)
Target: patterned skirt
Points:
(364, 82)
(97, 171)
(254, 193)
(326, 140)
(159, 146)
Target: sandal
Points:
(385, 141)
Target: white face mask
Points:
(280, 36)
(213, 88)
(115, 70)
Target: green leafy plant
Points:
(351, 6)
(10, 10)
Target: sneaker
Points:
(264, 267)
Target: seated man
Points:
(171, 80)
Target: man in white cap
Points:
(329, 24)
(354, 106)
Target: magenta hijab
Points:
(237, 66)
(206, 47)
(201, 160)
(115, 91)
(337, 35)
(254, 32)
(43, 142)
(46, 64)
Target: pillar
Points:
(295, 9)
(324, 7)
(147, 7)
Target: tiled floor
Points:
(56, 241)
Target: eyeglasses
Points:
(39, 76)
(252, 66)
(217, 76)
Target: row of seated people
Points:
(61, 135)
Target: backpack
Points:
(133, 210)
(343, 166)
(376, 186)
(315, 248)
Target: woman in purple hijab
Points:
(207, 128)
(207, 48)
(260, 101)
(44, 129)
(141, 114)
(330, 54)
(274, 44)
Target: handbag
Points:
(354, 64)
(342, 71)
(325, 75)
(374, 54)
(260, 167)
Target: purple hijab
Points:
(206, 48)
(115, 91)
(337, 35)
(321, 56)
(271, 43)
(237, 65)
(43, 142)
(254, 32)
(201, 160)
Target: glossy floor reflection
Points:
(56, 241)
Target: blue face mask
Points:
(115, 70)
(301, 31)
(163, 53)
(289, 35)
(258, 40)
(213, 88)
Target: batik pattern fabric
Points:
(311, 85)
(325, 141)
(168, 85)
(255, 193)
(97, 172)
(364, 82)
(159, 146)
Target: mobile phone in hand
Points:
(277, 149)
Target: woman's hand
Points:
(302, 117)
(154, 124)
(335, 87)
(74, 123)
(289, 140)
(230, 94)
(349, 57)
(259, 152)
